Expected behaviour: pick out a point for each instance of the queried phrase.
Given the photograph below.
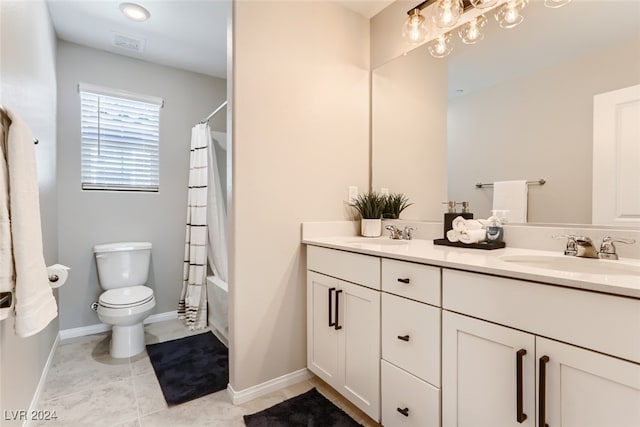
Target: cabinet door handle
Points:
(337, 326)
(330, 307)
(403, 411)
(403, 337)
(542, 392)
(406, 280)
(520, 415)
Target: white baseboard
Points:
(161, 317)
(101, 327)
(43, 378)
(242, 396)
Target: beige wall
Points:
(28, 87)
(301, 120)
(530, 132)
(87, 218)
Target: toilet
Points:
(123, 269)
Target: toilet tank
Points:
(122, 264)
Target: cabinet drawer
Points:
(361, 269)
(410, 280)
(606, 323)
(411, 337)
(402, 391)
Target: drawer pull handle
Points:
(407, 280)
(542, 392)
(403, 411)
(331, 290)
(520, 415)
(337, 326)
(403, 337)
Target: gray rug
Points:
(190, 367)
(310, 409)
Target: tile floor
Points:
(86, 387)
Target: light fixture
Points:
(554, 4)
(134, 11)
(509, 14)
(483, 4)
(447, 13)
(440, 46)
(471, 32)
(414, 28)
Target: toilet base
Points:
(126, 341)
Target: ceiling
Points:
(186, 34)
(190, 35)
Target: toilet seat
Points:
(128, 297)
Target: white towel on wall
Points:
(511, 196)
(22, 263)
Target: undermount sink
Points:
(382, 241)
(573, 264)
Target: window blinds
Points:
(120, 137)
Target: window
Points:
(120, 140)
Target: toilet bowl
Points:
(123, 269)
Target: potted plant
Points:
(370, 207)
(394, 204)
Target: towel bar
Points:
(5, 299)
(541, 181)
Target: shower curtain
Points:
(217, 214)
(192, 306)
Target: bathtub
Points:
(218, 314)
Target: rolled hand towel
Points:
(472, 236)
(460, 224)
(453, 236)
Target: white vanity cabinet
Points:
(343, 324)
(494, 374)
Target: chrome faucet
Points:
(397, 234)
(583, 247)
(608, 249)
(394, 232)
(406, 233)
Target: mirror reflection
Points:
(518, 106)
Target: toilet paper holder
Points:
(6, 299)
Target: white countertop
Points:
(488, 262)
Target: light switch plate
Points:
(353, 194)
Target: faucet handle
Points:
(608, 249)
(394, 232)
(406, 233)
(572, 244)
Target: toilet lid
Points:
(126, 297)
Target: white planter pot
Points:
(371, 227)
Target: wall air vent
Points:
(128, 42)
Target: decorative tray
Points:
(482, 245)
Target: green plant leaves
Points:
(372, 205)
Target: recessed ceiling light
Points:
(135, 11)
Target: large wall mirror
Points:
(516, 105)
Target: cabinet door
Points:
(586, 389)
(322, 339)
(480, 374)
(359, 317)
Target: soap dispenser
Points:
(495, 232)
(451, 214)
